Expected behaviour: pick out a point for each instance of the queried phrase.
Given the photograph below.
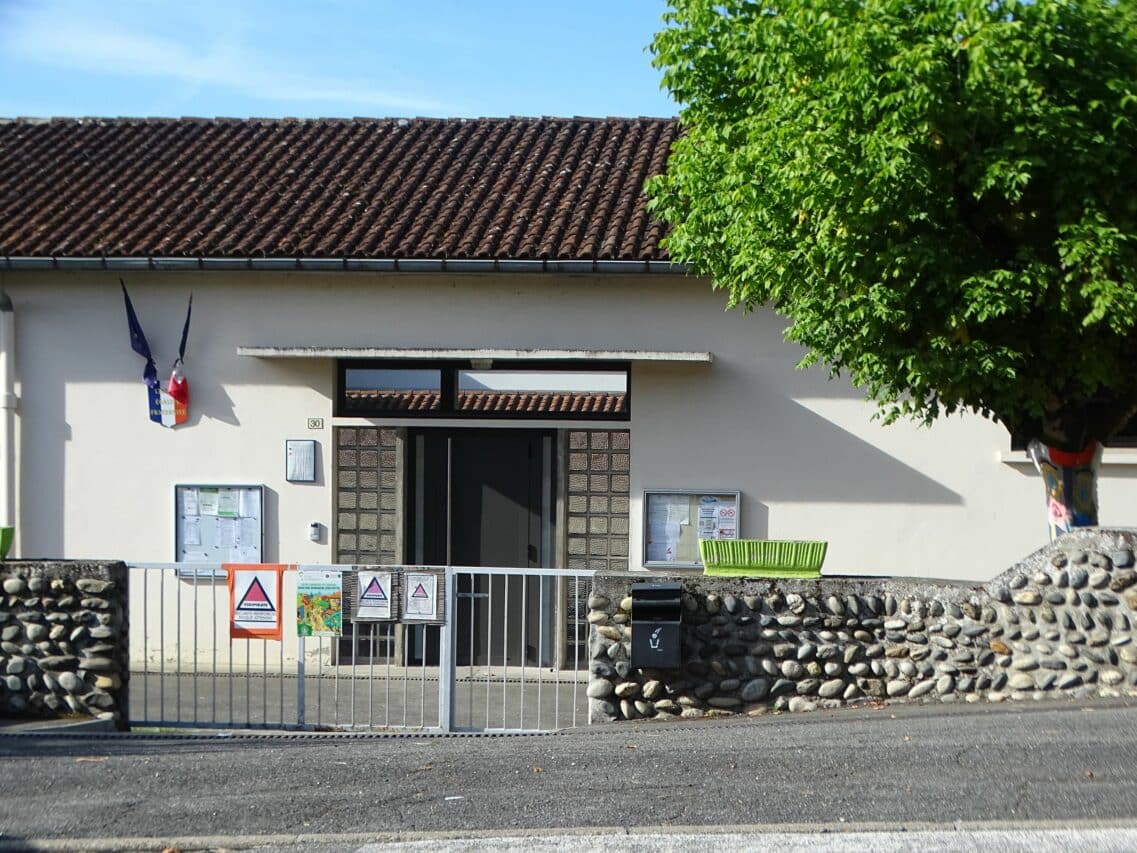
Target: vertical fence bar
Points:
(280, 676)
(557, 656)
(389, 634)
(422, 675)
(194, 677)
(406, 659)
(162, 645)
(248, 677)
(371, 680)
(354, 647)
(230, 679)
(575, 644)
(319, 680)
(470, 647)
(300, 681)
(489, 644)
(541, 617)
(145, 644)
(504, 648)
(177, 647)
(213, 620)
(446, 668)
(524, 642)
(264, 687)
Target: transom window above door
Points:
(479, 388)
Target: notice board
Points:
(218, 523)
(676, 519)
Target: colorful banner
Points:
(1071, 481)
(254, 600)
(319, 603)
(168, 407)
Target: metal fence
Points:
(508, 654)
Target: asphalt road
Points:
(1038, 768)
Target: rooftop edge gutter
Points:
(19, 263)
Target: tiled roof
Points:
(549, 188)
(531, 402)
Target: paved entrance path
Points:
(378, 699)
(1027, 769)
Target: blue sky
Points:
(245, 58)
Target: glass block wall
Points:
(368, 483)
(599, 462)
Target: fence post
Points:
(446, 656)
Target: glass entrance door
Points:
(484, 498)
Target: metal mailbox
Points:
(657, 636)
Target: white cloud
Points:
(65, 36)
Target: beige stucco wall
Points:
(96, 476)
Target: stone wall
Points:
(1061, 622)
(64, 645)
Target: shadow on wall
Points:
(215, 404)
(270, 526)
(757, 516)
(801, 456)
(794, 453)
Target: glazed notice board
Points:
(218, 523)
(676, 519)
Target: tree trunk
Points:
(1071, 481)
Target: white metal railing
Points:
(518, 646)
(509, 654)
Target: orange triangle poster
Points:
(254, 600)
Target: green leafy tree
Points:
(940, 196)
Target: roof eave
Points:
(301, 264)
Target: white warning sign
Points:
(254, 601)
(374, 595)
(420, 596)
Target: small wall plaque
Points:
(300, 460)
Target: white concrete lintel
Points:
(409, 353)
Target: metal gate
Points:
(509, 655)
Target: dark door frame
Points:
(428, 534)
(430, 529)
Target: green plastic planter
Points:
(762, 558)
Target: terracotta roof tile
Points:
(565, 189)
(497, 402)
